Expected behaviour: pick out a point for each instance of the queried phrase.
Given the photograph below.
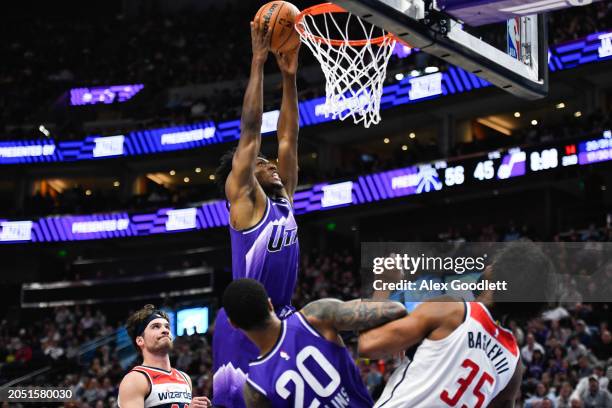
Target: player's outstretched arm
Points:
(253, 398)
(288, 122)
(241, 187)
(132, 390)
(401, 334)
(331, 316)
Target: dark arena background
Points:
(113, 118)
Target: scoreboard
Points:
(496, 165)
(515, 162)
(480, 170)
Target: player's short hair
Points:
(138, 322)
(530, 276)
(224, 169)
(246, 303)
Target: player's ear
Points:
(270, 307)
(140, 341)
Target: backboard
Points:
(433, 27)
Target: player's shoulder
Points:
(440, 315)
(135, 376)
(320, 308)
(136, 382)
(442, 307)
(319, 312)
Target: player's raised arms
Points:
(244, 193)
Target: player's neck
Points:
(265, 340)
(275, 193)
(157, 361)
(486, 298)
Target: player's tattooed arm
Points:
(353, 315)
(253, 398)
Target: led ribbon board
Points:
(498, 165)
(594, 48)
(103, 94)
(115, 225)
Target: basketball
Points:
(279, 16)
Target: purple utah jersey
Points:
(269, 252)
(304, 370)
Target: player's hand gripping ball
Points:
(279, 16)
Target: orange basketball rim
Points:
(330, 8)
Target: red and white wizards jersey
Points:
(169, 389)
(466, 369)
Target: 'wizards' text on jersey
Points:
(269, 252)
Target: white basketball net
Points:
(354, 74)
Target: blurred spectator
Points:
(584, 367)
(561, 334)
(529, 348)
(582, 331)
(583, 383)
(537, 399)
(557, 363)
(535, 367)
(575, 350)
(53, 350)
(563, 400)
(23, 352)
(595, 397)
(602, 347)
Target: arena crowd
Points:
(567, 353)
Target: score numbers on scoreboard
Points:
(503, 164)
(454, 176)
(497, 164)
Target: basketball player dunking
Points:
(303, 361)
(155, 383)
(263, 230)
(463, 356)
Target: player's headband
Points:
(143, 325)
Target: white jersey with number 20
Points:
(466, 369)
